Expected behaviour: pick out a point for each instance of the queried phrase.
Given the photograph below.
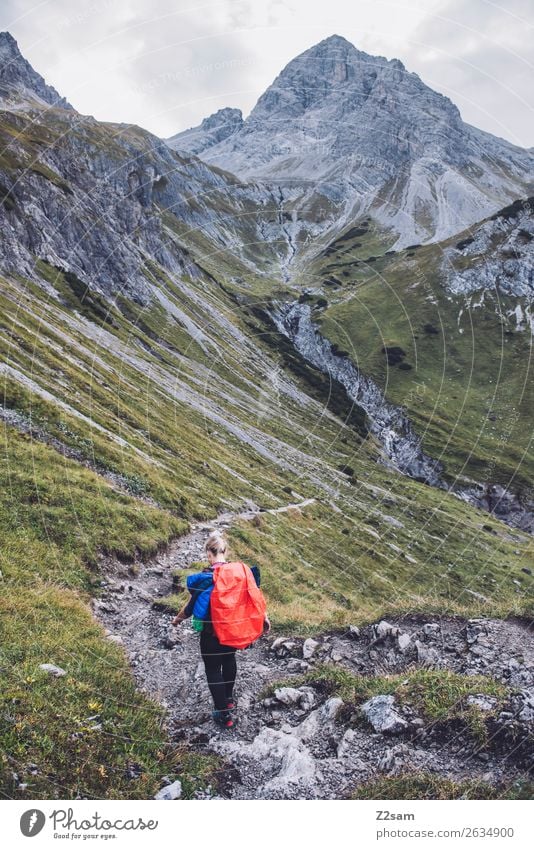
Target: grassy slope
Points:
(56, 516)
(315, 573)
(150, 392)
(430, 786)
(464, 368)
(324, 569)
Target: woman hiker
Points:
(219, 660)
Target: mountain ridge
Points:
(76, 189)
(18, 78)
(147, 396)
(399, 151)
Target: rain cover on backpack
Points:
(237, 605)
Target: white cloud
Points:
(169, 63)
(481, 55)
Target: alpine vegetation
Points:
(308, 330)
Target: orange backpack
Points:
(237, 605)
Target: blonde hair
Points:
(216, 543)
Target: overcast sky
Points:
(166, 64)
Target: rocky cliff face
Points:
(102, 200)
(143, 389)
(390, 424)
(123, 214)
(497, 258)
(387, 422)
(367, 135)
(213, 130)
(19, 81)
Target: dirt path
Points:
(304, 743)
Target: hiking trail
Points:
(303, 742)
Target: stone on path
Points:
(404, 641)
(381, 713)
(426, 655)
(386, 629)
(308, 648)
(288, 695)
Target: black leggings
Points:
(221, 668)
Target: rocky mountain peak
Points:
(19, 81)
(222, 117)
(337, 75)
(356, 135)
(333, 41)
(8, 45)
(335, 47)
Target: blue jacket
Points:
(200, 585)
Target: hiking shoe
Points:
(231, 704)
(223, 718)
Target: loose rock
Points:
(431, 630)
(282, 647)
(482, 701)
(404, 642)
(381, 713)
(56, 671)
(426, 655)
(170, 792)
(385, 629)
(296, 665)
(304, 697)
(393, 760)
(308, 648)
(287, 695)
(526, 714)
